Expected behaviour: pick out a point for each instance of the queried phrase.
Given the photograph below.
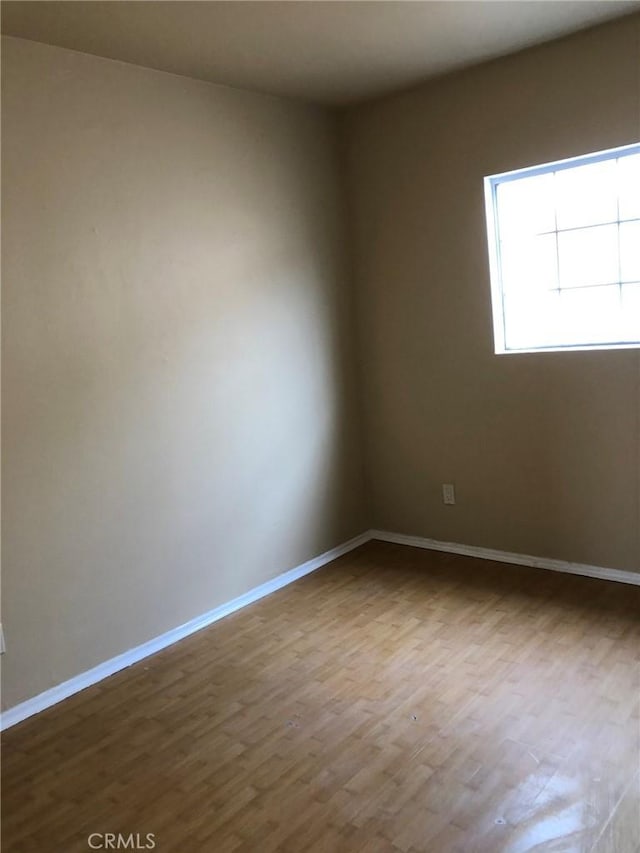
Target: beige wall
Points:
(179, 418)
(544, 449)
(180, 404)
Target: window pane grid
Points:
(615, 283)
(585, 227)
(590, 271)
(556, 231)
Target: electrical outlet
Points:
(448, 494)
(3, 648)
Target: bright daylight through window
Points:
(564, 246)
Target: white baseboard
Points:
(507, 557)
(74, 685)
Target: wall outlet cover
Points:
(448, 494)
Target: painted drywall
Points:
(544, 449)
(331, 53)
(179, 418)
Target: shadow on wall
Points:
(179, 415)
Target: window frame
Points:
(491, 184)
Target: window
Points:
(564, 247)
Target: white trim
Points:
(495, 266)
(601, 572)
(501, 322)
(56, 694)
(568, 163)
(74, 685)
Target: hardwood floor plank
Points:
(396, 700)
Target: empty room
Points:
(321, 426)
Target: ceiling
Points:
(336, 53)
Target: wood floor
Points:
(396, 700)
